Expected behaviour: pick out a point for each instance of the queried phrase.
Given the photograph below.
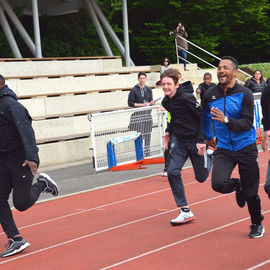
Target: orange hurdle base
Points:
(138, 164)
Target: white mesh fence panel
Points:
(149, 121)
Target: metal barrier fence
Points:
(149, 121)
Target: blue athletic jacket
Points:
(238, 105)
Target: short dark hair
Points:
(141, 73)
(2, 80)
(207, 74)
(234, 61)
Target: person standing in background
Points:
(256, 83)
(141, 96)
(164, 65)
(182, 45)
(265, 104)
(207, 83)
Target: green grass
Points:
(264, 67)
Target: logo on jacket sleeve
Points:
(213, 97)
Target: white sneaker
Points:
(182, 218)
(164, 173)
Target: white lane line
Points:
(105, 205)
(102, 206)
(178, 242)
(98, 207)
(109, 229)
(119, 183)
(95, 208)
(105, 230)
(259, 265)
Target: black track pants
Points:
(13, 176)
(247, 161)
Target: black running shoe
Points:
(51, 186)
(239, 194)
(256, 231)
(14, 247)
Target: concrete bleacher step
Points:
(57, 66)
(60, 93)
(44, 86)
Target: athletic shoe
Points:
(210, 150)
(239, 194)
(51, 186)
(182, 218)
(256, 231)
(14, 247)
(164, 173)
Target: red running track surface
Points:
(127, 226)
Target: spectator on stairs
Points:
(182, 45)
(164, 65)
(256, 83)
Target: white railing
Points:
(203, 50)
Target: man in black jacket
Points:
(265, 103)
(18, 165)
(141, 121)
(184, 138)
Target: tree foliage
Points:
(223, 27)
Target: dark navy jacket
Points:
(203, 87)
(185, 113)
(254, 86)
(135, 95)
(265, 103)
(16, 132)
(238, 105)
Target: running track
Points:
(126, 226)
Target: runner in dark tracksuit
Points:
(184, 134)
(265, 103)
(229, 111)
(18, 165)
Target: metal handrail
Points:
(203, 50)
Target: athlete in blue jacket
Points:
(228, 111)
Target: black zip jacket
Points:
(254, 86)
(265, 103)
(135, 95)
(185, 114)
(16, 132)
